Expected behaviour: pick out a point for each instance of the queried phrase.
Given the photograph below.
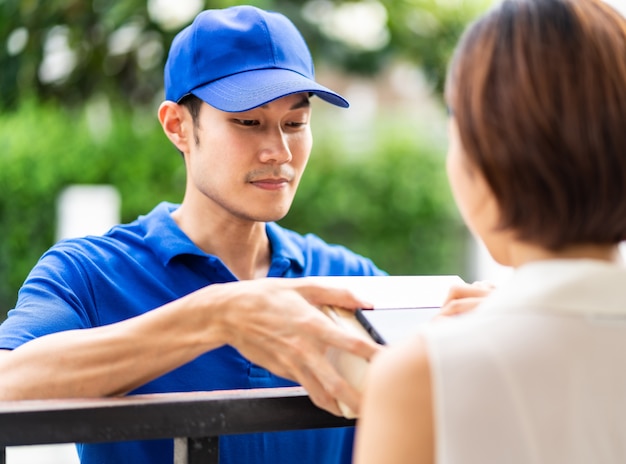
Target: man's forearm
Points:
(105, 361)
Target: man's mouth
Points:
(270, 183)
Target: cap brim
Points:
(249, 89)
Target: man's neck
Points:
(243, 246)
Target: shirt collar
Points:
(283, 245)
(580, 286)
(168, 241)
(163, 235)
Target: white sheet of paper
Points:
(396, 291)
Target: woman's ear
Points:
(177, 125)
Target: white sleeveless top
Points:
(537, 373)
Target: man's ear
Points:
(177, 125)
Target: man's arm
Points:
(273, 322)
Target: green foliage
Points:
(86, 28)
(391, 202)
(118, 49)
(48, 148)
(426, 31)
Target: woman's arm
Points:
(396, 421)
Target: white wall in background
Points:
(483, 267)
(87, 210)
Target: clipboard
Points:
(401, 305)
(391, 325)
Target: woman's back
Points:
(537, 373)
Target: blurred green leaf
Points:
(83, 35)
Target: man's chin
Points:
(269, 216)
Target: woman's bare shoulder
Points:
(396, 424)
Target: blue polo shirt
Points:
(134, 268)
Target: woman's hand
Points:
(465, 297)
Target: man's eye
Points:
(297, 123)
(247, 122)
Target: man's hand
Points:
(273, 322)
(465, 297)
(276, 324)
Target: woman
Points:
(537, 165)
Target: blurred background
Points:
(81, 148)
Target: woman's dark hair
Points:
(538, 91)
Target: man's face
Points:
(248, 165)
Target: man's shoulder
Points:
(305, 242)
(128, 239)
(317, 256)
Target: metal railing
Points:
(194, 420)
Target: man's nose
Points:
(275, 147)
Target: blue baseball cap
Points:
(239, 58)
